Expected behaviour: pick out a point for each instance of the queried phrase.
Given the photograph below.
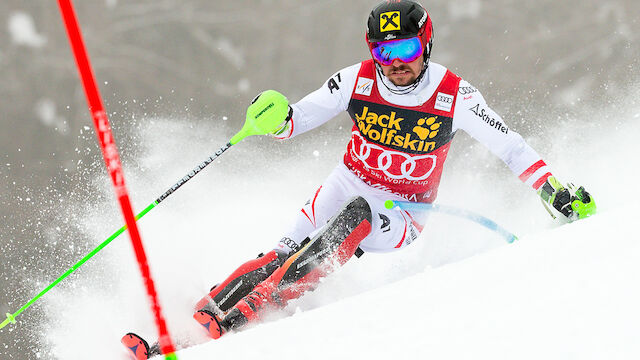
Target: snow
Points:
(46, 111)
(565, 293)
(561, 291)
(23, 31)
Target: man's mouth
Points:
(399, 72)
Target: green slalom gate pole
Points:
(250, 127)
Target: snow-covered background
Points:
(176, 77)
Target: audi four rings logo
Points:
(445, 99)
(466, 90)
(377, 158)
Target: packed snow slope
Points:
(566, 293)
(459, 292)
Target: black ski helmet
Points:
(400, 19)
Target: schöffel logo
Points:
(484, 115)
(417, 136)
(390, 21)
(386, 222)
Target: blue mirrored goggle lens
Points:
(406, 50)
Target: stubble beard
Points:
(407, 79)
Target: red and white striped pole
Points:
(114, 167)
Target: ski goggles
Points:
(405, 50)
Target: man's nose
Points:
(396, 62)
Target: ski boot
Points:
(225, 295)
(333, 246)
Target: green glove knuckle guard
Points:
(583, 204)
(268, 111)
(574, 206)
(266, 115)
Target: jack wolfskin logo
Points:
(383, 120)
(431, 129)
(390, 21)
(387, 129)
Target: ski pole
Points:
(465, 214)
(250, 127)
(189, 176)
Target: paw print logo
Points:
(427, 128)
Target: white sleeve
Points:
(323, 104)
(483, 124)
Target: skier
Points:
(405, 111)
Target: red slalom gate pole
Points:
(114, 166)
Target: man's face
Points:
(403, 74)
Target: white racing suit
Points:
(398, 147)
